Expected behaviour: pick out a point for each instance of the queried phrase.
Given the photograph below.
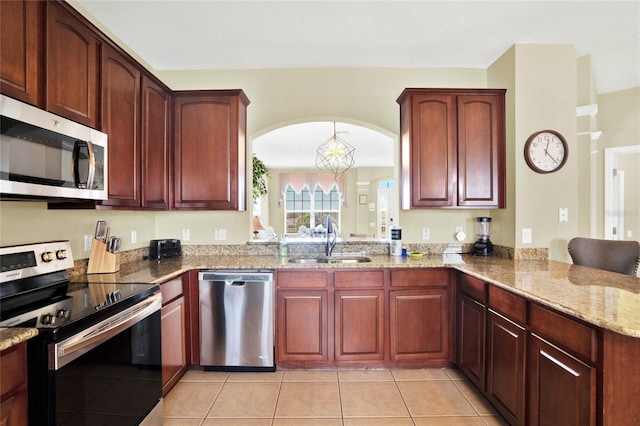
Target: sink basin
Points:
(338, 259)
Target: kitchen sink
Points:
(324, 259)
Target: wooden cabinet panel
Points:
(21, 50)
(210, 150)
(302, 325)
(471, 339)
(155, 135)
(420, 277)
(72, 64)
(121, 121)
(359, 322)
(357, 279)
(301, 279)
(508, 304)
(481, 150)
(452, 148)
(13, 386)
(473, 287)
(174, 355)
(505, 367)
(561, 389)
(419, 325)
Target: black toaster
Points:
(164, 249)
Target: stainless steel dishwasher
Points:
(236, 320)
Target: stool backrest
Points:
(609, 255)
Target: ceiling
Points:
(212, 34)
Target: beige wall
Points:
(538, 97)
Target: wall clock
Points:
(546, 151)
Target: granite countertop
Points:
(14, 336)
(605, 299)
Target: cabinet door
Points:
(561, 389)
(21, 50)
(72, 63)
(174, 357)
(302, 325)
(210, 151)
(156, 113)
(419, 325)
(481, 150)
(505, 367)
(121, 121)
(359, 322)
(471, 338)
(13, 386)
(431, 173)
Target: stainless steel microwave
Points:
(45, 156)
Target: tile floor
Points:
(328, 398)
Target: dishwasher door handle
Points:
(231, 283)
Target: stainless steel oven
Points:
(97, 356)
(47, 156)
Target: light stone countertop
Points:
(608, 300)
(14, 336)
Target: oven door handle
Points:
(62, 353)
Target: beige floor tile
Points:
(435, 398)
(372, 399)
(310, 376)
(275, 376)
(204, 376)
(181, 422)
(455, 374)
(420, 374)
(309, 399)
(494, 421)
(236, 422)
(475, 397)
(190, 399)
(378, 421)
(364, 375)
(448, 421)
(246, 400)
(307, 422)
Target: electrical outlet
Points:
(87, 242)
(220, 234)
(425, 233)
(185, 235)
(629, 234)
(526, 236)
(134, 236)
(563, 214)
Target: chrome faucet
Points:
(330, 243)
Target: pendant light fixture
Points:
(335, 155)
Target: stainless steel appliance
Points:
(236, 320)
(96, 358)
(483, 246)
(45, 156)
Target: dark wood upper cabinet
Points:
(452, 149)
(156, 134)
(210, 150)
(72, 67)
(121, 121)
(21, 50)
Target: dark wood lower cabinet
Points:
(359, 322)
(13, 386)
(505, 367)
(471, 339)
(561, 388)
(174, 332)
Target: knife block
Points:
(101, 261)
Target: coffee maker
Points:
(483, 246)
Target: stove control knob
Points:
(48, 319)
(61, 254)
(63, 313)
(47, 256)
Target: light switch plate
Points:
(87, 242)
(134, 236)
(526, 235)
(425, 233)
(220, 234)
(185, 235)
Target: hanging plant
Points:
(261, 178)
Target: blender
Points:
(483, 246)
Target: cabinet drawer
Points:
(420, 278)
(472, 287)
(564, 332)
(508, 304)
(171, 289)
(301, 279)
(13, 365)
(357, 279)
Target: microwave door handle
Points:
(91, 167)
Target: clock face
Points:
(546, 151)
